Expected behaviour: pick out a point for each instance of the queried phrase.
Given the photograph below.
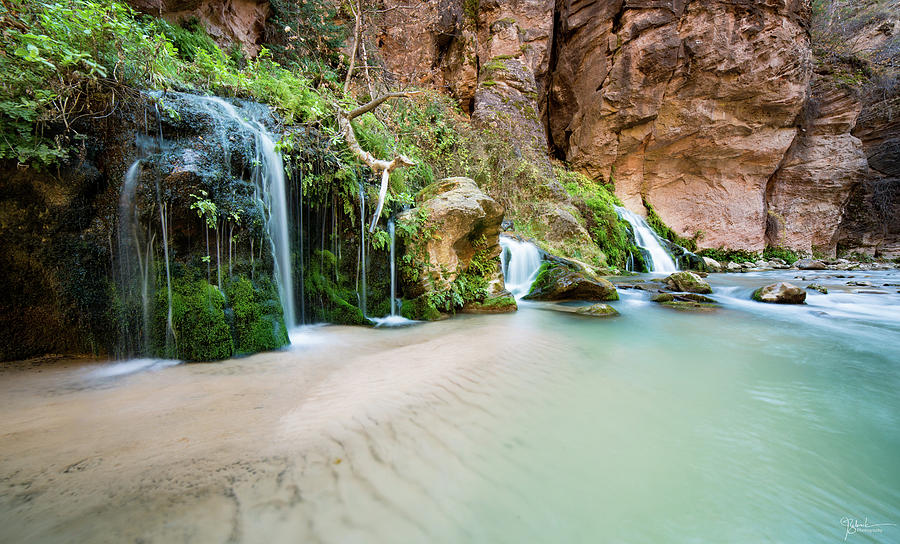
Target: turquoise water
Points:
(752, 423)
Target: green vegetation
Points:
(75, 59)
(258, 323)
(724, 255)
(664, 231)
(779, 252)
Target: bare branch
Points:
(377, 165)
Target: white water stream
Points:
(645, 237)
(520, 262)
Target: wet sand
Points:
(272, 447)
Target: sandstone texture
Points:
(227, 21)
(466, 222)
(709, 111)
(684, 105)
(807, 196)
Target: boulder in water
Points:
(711, 264)
(687, 282)
(558, 282)
(817, 287)
(810, 264)
(597, 310)
(780, 293)
(457, 243)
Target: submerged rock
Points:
(816, 287)
(557, 282)
(685, 301)
(687, 282)
(597, 310)
(780, 293)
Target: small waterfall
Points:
(393, 267)
(520, 262)
(132, 274)
(645, 237)
(362, 248)
(268, 174)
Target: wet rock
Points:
(558, 282)
(733, 267)
(468, 222)
(816, 287)
(780, 293)
(711, 264)
(682, 297)
(500, 304)
(597, 310)
(810, 264)
(687, 282)
(860, 283)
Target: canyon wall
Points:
(709, 111)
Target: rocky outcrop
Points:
(462, 224)
(780, 293)
(807, 196)
(558, 282)
(871, 221)
(687, 282)
(227, 21)
(680, 104)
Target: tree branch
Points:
(377, 165)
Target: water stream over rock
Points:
(520, 262)
(658, 259)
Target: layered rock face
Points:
(227, 21)
(492, 55)
(871, 220)
(807, 196)
(685, 105)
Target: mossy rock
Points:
(198, 319)
(420, 309)
(558, 282)
(258, 320)
(597, 310)
(689, 306)
(780, 293)
(687, 282)
(817, 287)
(494, 305)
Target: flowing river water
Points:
(752, 423)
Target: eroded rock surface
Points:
(558, 282)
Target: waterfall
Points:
(646, 237)
(393, 267)
(268, 174)
(520, 262)
(132, 273)
(362, 248)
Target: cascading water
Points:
(362, 248)
(392, 233)
(644, 236)
(520, 262)
(268, 175)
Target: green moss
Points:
(488, 83)
(664, 231)
(325, 283)
(779, 252)
(543, 278)
(198, 319)
(258, 321)
(420, 309)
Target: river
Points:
(751, 423)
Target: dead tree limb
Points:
(378, 166)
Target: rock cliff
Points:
(709, 111)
